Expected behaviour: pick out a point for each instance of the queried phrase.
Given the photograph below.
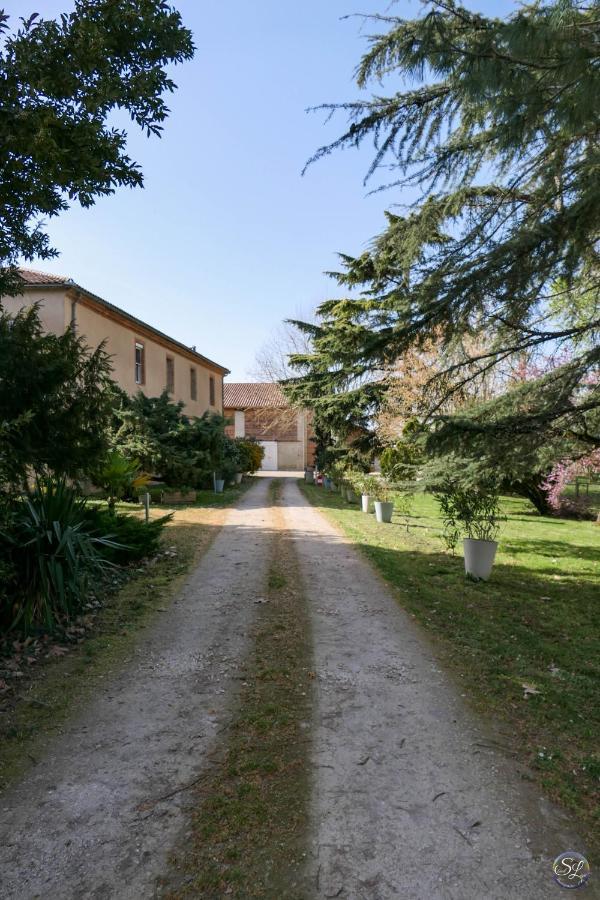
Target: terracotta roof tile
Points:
(32, 276)
(258, 395)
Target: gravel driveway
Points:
(86, 822)
(412, 799)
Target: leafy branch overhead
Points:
(61, 82)
(497, 126)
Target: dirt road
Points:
(88, 821)
(411, 797)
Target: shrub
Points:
(120, 477)
(251, 455)
(564, 473)
(380, 490)
(370, 484)
(156, 491)
(134, 539)
(468, 512)
(354, 479)
(336, 471)
(230, 462)
(179, 449)
(54, 553)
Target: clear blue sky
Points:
(227, 238)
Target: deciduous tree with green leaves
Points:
(61, 81)
(497, 124)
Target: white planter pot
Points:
(238, 477)
(479, 558)
(219, 485)
(384, 510)
(365, 501)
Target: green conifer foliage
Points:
(497, 123)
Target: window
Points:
(193, 384)
(170, 374)
(211, 390)
(140, 363)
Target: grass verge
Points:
(43, 698)
(249, 825)
(204, 500)
(525, 646)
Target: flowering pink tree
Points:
(566, 472)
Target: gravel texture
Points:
(412, 797)
(87, 822)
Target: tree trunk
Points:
(532, 490)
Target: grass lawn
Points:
(204, 499)
(210, 498)
(589, 490)
(525, 646)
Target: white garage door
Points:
(269, 462)
(289, 456)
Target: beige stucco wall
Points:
(55, 307)
(120, 344)
(120, 338)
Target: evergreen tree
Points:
(498, 125)
(184, 451)
(55, 401)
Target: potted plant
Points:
(336, 473)
(367, 486)
(474, 515)
(384, 506)
(352, 482)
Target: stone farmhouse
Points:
(260, 410)
(143, 358)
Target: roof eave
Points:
(72, 285)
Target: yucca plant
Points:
(55, 554)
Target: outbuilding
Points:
(260, 410)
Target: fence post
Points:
(147, 506)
